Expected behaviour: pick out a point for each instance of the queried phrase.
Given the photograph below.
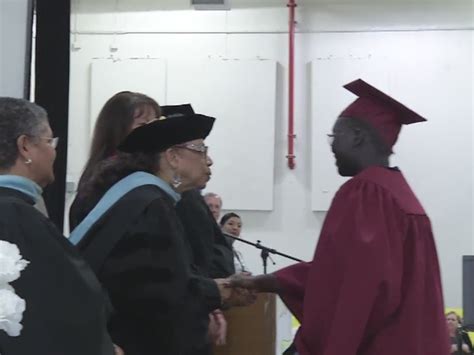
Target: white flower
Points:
(11, 262)
(11, 312)
(11, 306)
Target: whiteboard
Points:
(242, 96)
(147, 76)
(436, 91)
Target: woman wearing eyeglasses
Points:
(65, 309)
(135, 242)
(211, 254)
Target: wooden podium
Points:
(251, 330)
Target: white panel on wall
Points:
(241, 95)
(416, 83)
(147, 76)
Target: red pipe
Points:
(291, 87)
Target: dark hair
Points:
(377, 141)
(18, 117)
(228, 216)
(109, 171)
(113, 125)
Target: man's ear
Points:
(23, 144)
(359, 137)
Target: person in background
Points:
(214, 202)
(231, 223)
(122, 113)
(375, 270)
(460, 341)
(66, 311)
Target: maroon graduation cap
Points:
(378, 109)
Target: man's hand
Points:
(261, 283)
(243, 280)
(217, 327)
(234, 296)
(224, 289)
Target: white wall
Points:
(14, 18)
(256, 29)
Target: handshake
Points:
(237, 290)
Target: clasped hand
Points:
(234, 295)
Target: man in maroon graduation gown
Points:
(373, 287)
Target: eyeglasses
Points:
(331, 137)
(195, 148)
(52, 141)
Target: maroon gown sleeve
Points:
(292, 282)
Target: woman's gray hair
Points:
(18, 117)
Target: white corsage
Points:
(11, 312)
(11, 305)
(11, 262)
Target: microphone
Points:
(265, 250)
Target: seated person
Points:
(460, 342)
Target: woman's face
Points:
(233, 226)
(452, 321)
(143, 116)
(193, 164)
(42, 152)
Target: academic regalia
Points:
(209, 252)
(137, 247)
(210, 256)
(65, 306)
(145, 273)
(76, 212)
(212, 253)
(374, 285)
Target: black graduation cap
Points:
(177, 110)
(166, 132)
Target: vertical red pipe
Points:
(291, 86)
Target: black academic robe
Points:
(212, 253)
(138, 251)
(76, 212)
(65, 306)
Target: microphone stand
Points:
(265, 251)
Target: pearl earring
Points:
(28, 161)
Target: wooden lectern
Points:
(251, 330)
